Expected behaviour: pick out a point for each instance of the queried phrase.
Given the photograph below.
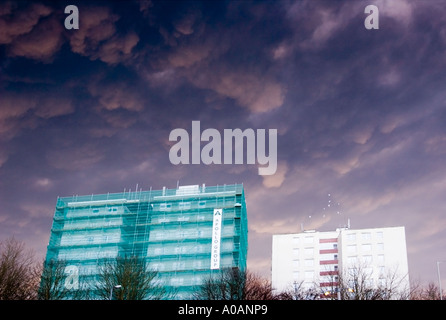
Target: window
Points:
(380, 259)
(176, 281)
(351, 237)
(352, 260)
(351, 248)
(165, 206)
(309, 262)
(296, 240)
(296, 275)
(309, 274)
(382, 282)
(184, 205)
(366, 247)
(329, 267)
(309, 251)
(367, 259)
(296, 252)
(308, 239)
(366, 236)
(295, 264)
(352, 272)
(380, 246)
(368, 282)
(379, 235)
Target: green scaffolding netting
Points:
(171, 229)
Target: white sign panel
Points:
(216, 236)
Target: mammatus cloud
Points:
(98, 37)
(42, 43)
(36, 32)
(276, 180)
(16, 21)
(97, 25)
(14, 106)
(257, 93)
(194, 50)
(24, 111)
(118, 49)
(116, 95)
(3, 155)
(54, 106)
(400, 10)
(30, 31)
(72, 158)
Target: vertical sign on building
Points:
(216, 236)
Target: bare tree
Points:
(52, 284)
(258, 288)
(226, 284)
(52, 281)
(329, 289)
(60, 281)
(301, 291)
(430, 292)
(356, 283)
(235, 284)
(132, 280)
(393, 286)
(19, 276)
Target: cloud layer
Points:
(360, 113)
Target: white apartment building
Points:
(317, 260)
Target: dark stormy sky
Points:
(360, 114)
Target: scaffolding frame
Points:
(170, 228)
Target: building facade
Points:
(321, 260)
(184, 233)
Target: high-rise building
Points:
(184, 233)
(319, 260)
